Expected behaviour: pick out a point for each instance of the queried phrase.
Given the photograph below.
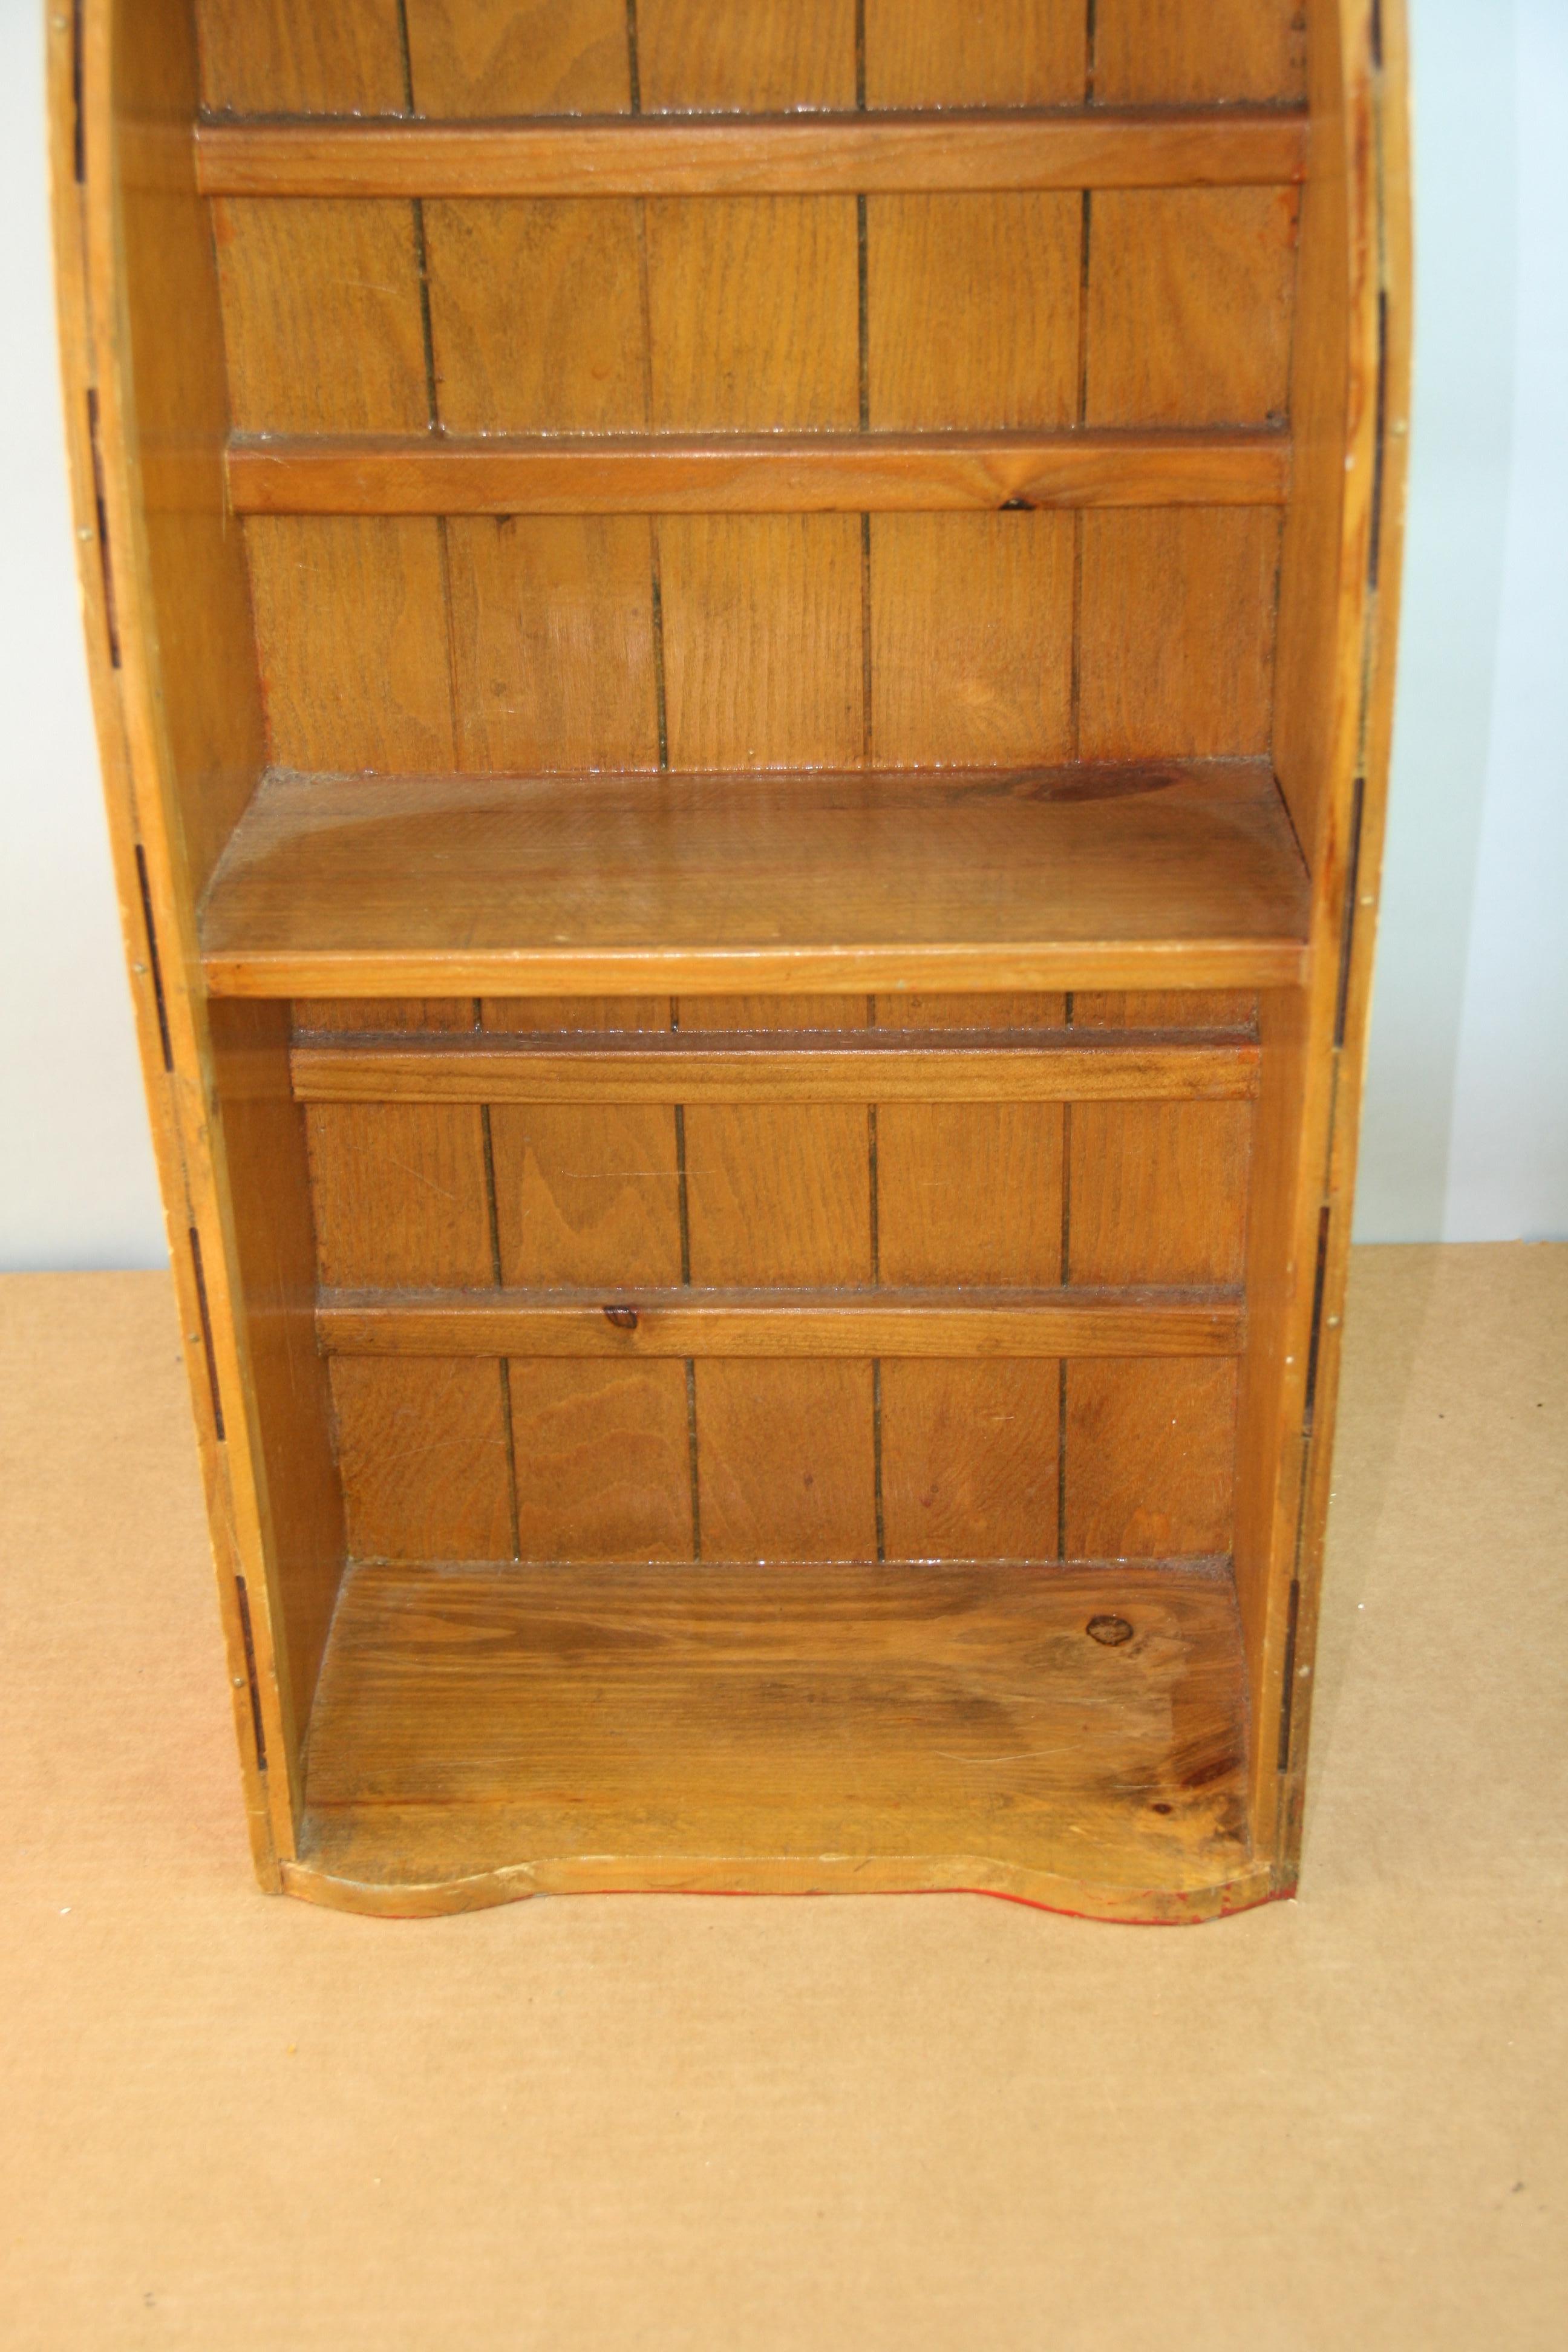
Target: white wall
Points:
(1465, 1134)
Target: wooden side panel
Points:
(1192, 52)
(477, 57)
(732, 56)
(295, 57)
(1009, 53)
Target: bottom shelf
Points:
(482, 1734)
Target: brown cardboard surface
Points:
(232, 2121)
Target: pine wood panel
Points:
(969, 1192)
(424, 1453)
(731, 54)
(400, 1193)
(926, 1009)
(1010, 52)
(474, 57)
(586, 1193)
(1158, 1192)
(295, 57)
(1174, 1008)
(400, 1016)
(351, 626)
(1189, 306)
(573, 1015)
(973, 310)
(761, 640)
(942, 1726)
(786, 1465)
(969, 1460)
(722, 357)
(828, 154)
(1184, 52)
(701, 1015)
(971, 639)
(321, 317)
(779, 1193)
(602, 1453)
(1177, 635)
(536, 315)
(552, 642)
(1150, 1458)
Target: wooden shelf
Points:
(765, 473)
(481, 1734)
(1181, 875)
(790, 155)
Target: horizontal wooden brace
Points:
(819, 154)
(794, 473)
(901, 1066)
(771, 1323)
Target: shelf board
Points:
(485, 1733)
(789, 154)
(753, 473)
(1185, 874)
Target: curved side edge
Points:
(786, 1874)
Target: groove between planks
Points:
(760, 1323)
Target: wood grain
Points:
(969, 1459)
(761, 640)
(321, 317)
(836, 154)
(587, 1192)
(973, 310)
(400, 1193)
(1011, 53)
(477, 57)
(294, 57)
(435, 886)
(777, 1324)
(786, 1460)
(945, 1726)
(1177, 635)
(351, 626)
(779, 1194)
(423, 1450)
(721, 359)
(971, 639)
(969, 1192)
(1189, 306)
(731, 53)
(1182, 52)
(603, 1470)
(1150, 1458)
(1158, 1192)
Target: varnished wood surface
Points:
(616, 1322)
(406, 886)
(903, 1066)
(800, 156)
(799, 473)
(484, 1734)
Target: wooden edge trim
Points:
(780, 1874)
(829, 472)
(772, 154)
(780, 1323)
(1176, 963)
(904, 1068)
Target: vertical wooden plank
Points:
(969, 1460)
(703, 1013)
(1195, 52)
(1176, 651)
(586, 1195)
(970, 1192)
(1009, 53)
(424, 1454)
(296, 57)
(411, 1013)
(553, 653)
(787, 1468)
(761, 636)
(478, 57)
(732, 56)
(400, 1194)
(563, 1015)
(778, 1194)
(351, 626)
(603, 1461)
(321, 316)
(973, 310)
(1189, 305)
(1151, 1451)
(1158, 1192)
(753, 313)
(920, 1009)
(971, 639)
(536, 315)
(1166, 1008)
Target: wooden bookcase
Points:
(743, 661)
